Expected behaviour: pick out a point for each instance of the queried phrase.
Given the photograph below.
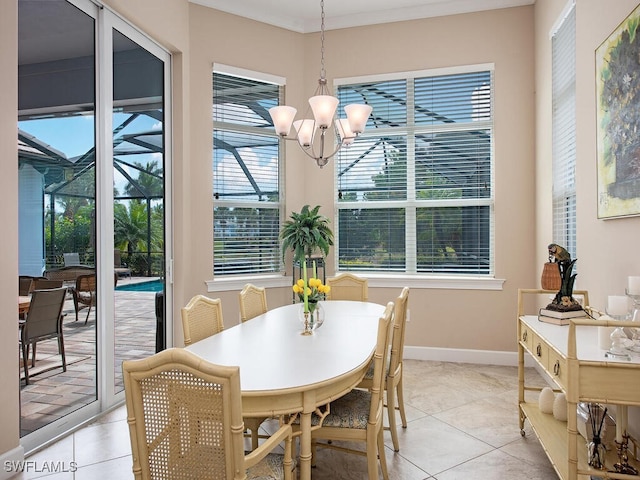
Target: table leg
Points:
(305, 446)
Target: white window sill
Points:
(374, 281)
(449, 282)
(237, 283)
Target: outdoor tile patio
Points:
(53, 393)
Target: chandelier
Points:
(311, 133)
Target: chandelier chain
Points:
(323, 72)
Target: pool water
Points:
(150, 286)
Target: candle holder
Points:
(308, 328)
(622, 465)
(635, 317)
(618, 348)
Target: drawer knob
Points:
(556, 368)
(524, 336)
(539, 350)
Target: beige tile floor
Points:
(463, 424)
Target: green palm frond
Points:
(305, 233)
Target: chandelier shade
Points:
(322, 107)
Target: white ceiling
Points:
(304, 15)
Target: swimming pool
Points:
(150, 286)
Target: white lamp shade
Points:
(346, 135)
(306, 131)
(324, 108)
(358, 114)
(282, 117)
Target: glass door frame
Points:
(106, 21)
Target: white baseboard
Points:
(8, 461)
(456, 355)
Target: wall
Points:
(607, 248)
(9, 413)
(440, 318)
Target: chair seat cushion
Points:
(369, 374)
(349, 411)
(272, 467)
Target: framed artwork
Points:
(618, 117)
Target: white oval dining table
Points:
(284, 372)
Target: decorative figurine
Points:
(563, 301)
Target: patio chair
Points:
(84, 293)
(43, 322)
(25, 285)
(253, 302)
(44, 284)
(393, 375)
(201, 318)
(120, 269)
(71, 259)
(347, 286)
(185, 421)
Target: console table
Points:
(571, 357)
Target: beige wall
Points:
(9, 413)
(608, 251)
(439, 318)
(607, 248)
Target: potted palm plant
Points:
(306, 233)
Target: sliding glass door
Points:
(93, 190)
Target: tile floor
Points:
(463, 424)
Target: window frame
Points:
(563, 121)
(436, 279)
(226, 281)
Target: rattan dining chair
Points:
(43, 322)
(358, 415)
(201, 318)
(347, 286)
(393, 378)
(253, 302)
(185, 421)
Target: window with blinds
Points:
(246, 177)
(415, 191)
(563, 98)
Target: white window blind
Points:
(564, 133)
(415, 191)
(246, 177)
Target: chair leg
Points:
(88, 312)
(254, 439)
(400, 398)
(75, 304)
(33, 354)
(375, 453)
(61, 350)
(391, 410)
(25, 362)
(382, 456)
